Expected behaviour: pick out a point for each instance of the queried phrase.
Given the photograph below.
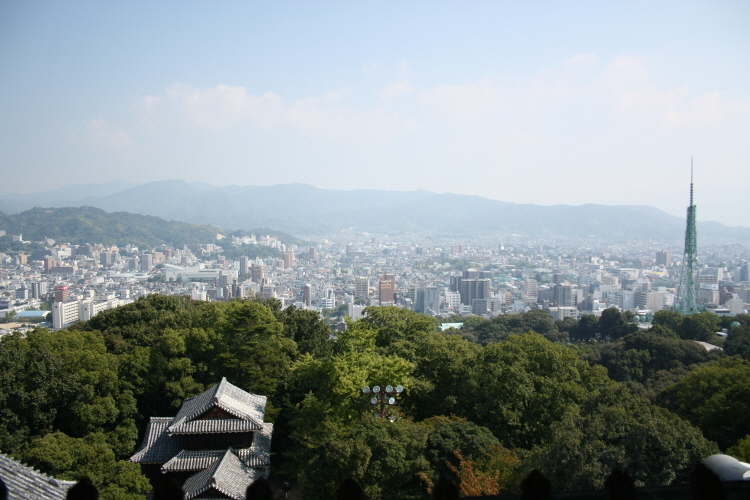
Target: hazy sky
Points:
(554, 102)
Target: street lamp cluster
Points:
(383, 395)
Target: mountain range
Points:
(308, 210)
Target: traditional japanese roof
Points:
(214, 425)
(260, 452)
(227, 476)
(26, 483)
(158, 445)
(258, 455)
(192, 460)
(249, 410)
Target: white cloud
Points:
(624, 88)
(100, 133)
(468, 101)
(397, 90)
(225, 107)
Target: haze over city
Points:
(533, 102)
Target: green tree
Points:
(588, 327)
(444, 364)
(741, 449)
(738, 342)
(716, 398)
(249, 347)
(305, 327)
(615, 324)
(470, 440)
(671, 320)
(613, 428)
(64, 381)
(519, 387)
(70, 458)
(398, 329)
(385, 458)
(701, 326)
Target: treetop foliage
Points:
(75, 401)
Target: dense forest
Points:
(485, 404)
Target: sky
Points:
(564, 102)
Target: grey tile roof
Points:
(260, 451)
(257, 456)
(215, 425)
(192, 460)
(243, 405)
(228, 476)
(158, 446)
(26, 483)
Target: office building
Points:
(474, 288)
(387, 289)
(61, 293)
(244, 265)
(362, 287)
(663, 258)
(288, 259)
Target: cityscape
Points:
(443, 277)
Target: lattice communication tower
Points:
(686, 302)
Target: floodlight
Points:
(376, 389)
(399, 388)
(391, 401)
(366, 389)
(389, 388)
(374, 401)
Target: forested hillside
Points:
(506, 398)
(93, 225)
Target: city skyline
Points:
(520, 102)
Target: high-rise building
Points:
(50, 262)
(653, 301)
(563, 295)
(470, 273)
(244, 265)
(530, 288)
(288, 259)
(328, 300)
(312, 253)
(38, 289)
(427, 300)
(387, 289)
(147, 262)
(257, 273)
(307, 294)
(61, 293)
(474, 288)
(685, 302)
(105, 259)
(362, 287)
(663, 258)
(64, 313)
(744, 272)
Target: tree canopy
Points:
(74, 401)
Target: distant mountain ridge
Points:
(305, 209)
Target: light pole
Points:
(383, 395)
